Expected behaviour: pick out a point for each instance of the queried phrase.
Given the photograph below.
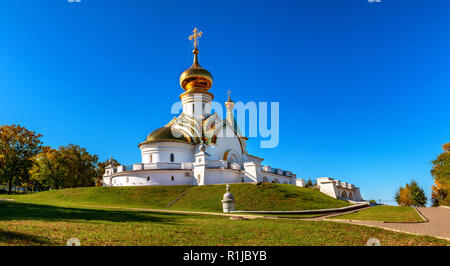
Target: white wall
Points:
(161, 151)
(300, 182)
(225, 176)
(271, 177)
(157, 177)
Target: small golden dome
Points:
(196, 77)
(166, 134)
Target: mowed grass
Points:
(263, 196)
(157, 197)
(36, 224)
(385, 214)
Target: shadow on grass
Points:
(14, 238)
(25, 211)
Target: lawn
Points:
(37, 224)
(265, 196)
(385, 214)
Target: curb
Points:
(421, 215)
(320, 211)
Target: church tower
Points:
(196, 81)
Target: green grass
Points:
(199, 198)
(265, 196)
(385, 214)
(37, 224)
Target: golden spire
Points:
(229, 96)
(196, 78)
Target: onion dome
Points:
(167, 134)
(196, 77)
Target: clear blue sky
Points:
(363, 87)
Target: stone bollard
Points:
(228, 201)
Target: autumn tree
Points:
(48, 171)
(441, 175)
(18, 146)
(80, 165)
(66, 167)
(411, 195)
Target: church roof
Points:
(167, 134)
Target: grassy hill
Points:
(199, 198)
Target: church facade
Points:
(197, 147)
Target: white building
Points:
(197, 147)
(338, 189)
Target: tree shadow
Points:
(26, 211)
(15, 238)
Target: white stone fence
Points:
(152, 166)
(269, 169)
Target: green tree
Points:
(309, 183)
(18, 146)
(417, 195)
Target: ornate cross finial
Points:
(194, 36)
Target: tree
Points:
(101, 169)
(18, 146)
(67, 167)
(417, 195)
(309, 183)
(441, 174)
(80, 165)
(48, 171)
(411, 195)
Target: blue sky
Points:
(363, 87)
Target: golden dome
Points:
(166, 134)
(196, 77)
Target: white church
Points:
(199, 148)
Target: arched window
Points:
(172, 178)
(350, 196)
(265, 180)
(344, 195)
(172, 157)
(285, 182)
(275, 181)
(242, 179)
(148, 178)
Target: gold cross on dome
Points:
(195, 35)
(229, 95)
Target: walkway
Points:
(437, 226)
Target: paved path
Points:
(437, 226)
